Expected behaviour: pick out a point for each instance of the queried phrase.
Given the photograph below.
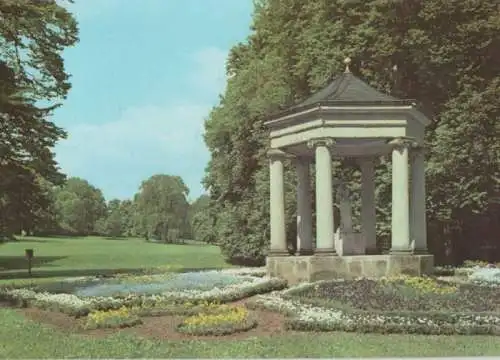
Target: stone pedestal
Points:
(296, 269)
(349, 243)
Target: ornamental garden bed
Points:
(166, 295)
(210, 304)
(398, 305)
(412, 294)
(158, 327)
(194, 302)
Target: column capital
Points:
(313, 143)
(402, 142)
(277, 154)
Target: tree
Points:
(447, 57)
(202, 220)
(111, 223)
(32, 37)
(162, 207)
(127, 212)
(79, 206)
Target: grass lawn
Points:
(65, 257)
(22, 338)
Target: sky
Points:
(145, 75)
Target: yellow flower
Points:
(423, 284)
(101, 316)
(226, 315)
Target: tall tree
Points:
(446, 55)
(162, 207)
(33, 35)
(202, 220)
(127, 212)
(79, 206)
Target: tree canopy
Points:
(443, 53)
(32, 38)
(202, 220)
(162, 207)
(79, 206)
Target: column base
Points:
(275, 252)
(325, 252)
(401, 251)
(420, 251)
(304, 252)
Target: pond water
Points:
(159, 284)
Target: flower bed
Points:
(119, 318)
(185, 308)
(465, 270)
(405, 294)
(123, 284)
(166, 302)
(355, 306)
(226, 320)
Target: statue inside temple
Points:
(347, 242)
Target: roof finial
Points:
(347, 62)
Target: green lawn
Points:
(64, 257)
(60, 257)
(24, 339)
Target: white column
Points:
(400, 198)
(304, 208)
(277, 204)
(418, 209)
(325, 237)
(368, 215)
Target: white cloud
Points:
(147, 139)
(143, 141)
(140, 131)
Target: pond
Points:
(155, 284)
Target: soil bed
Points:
(158, 327)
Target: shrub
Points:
(226, 320)
(119, 318)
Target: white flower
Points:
(486, 276)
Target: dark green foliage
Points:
(118, 220)
(161, 209)
(202, 220)
(79, 206)
(447, 58)
(32, 37)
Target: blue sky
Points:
(145, 75)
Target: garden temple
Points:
(348, 119)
